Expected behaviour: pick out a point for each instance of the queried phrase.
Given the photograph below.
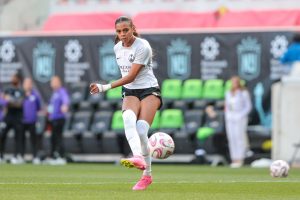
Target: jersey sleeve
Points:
(143, 55)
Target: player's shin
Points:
(142, 129)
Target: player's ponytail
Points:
(126, 19)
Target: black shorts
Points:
(142, 93)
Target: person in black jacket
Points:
(14, 96)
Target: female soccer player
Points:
(141, 95)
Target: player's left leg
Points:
(149, 105)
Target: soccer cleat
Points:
(143, 183)
(134, 162)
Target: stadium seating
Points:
(262, 18)
(213, 89)
(114, 96)
(174, 20)
(95, 99)
(155, 123)
(171, 120)
(81, 122)
(192, 89)
(117, 124)
(171, 89)
(78, 93)
(191, 95)
(193, 119)
(101, 122)
(81, 21)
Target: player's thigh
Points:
(131, 103)
(149, 106)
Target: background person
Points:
(237, 107)
(57, 109)
(31, 107)
(292, 56)
(14, 96)
(141, 95)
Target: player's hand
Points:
(96, 88)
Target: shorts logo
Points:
(155, 94)
(108, 67)
(249, 53)
(179, 59)
(131, 58)
(43, 61)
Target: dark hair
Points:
(19, 75)
(126, 19)
(296, 37)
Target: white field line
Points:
(177, 182)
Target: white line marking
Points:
(177, 182)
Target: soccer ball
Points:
(161, 145)
(279, 168)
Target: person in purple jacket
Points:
(58, 107)
(31, 107)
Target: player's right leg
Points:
(131, 106)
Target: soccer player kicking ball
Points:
(140, 92)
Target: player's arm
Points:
(135, 69)
(142, 57)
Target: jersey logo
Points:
(131, 58)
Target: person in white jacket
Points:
(237, 107)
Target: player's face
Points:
(27, 84)
(55, 83)
(235, 82)
(124, 32)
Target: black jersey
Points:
(14, 103)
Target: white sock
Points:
(142, 128)
(131, 133)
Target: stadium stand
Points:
(171, 121)
(175, 20)
(101, 122)
(170, 91)
(260, 18)
(81, 21)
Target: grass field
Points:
(106, 181)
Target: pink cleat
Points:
(143, 183)
(136, 161)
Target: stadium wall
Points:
(205, 55)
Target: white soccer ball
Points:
(161, 145)
(279, 168)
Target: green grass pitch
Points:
(107, 181)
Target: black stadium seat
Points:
(193, 120)
(101, 122)
(78, 93)
(81, 122)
